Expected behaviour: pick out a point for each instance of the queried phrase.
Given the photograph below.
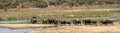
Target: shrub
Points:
(2, 5)
(1, 19)
(54, 2)
(43, 3)
(40, 4)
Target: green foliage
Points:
(54, 2)
(44, 4)
(40, 4)
(5, 1)
(2, 5)
(63, 1)
(12, 18)
(58, 2)
(88, 2)
(118, 1)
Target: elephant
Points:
(64, 22)
(89, 22)
(76, 22)
(34, 20)
(49, 21)
(44, 21)
(106, 22)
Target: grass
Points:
(28, 13)
(59, 12)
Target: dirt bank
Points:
(15, 26)
(81, 29)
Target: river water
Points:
(7, 30)
(14, 21)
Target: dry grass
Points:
(16, 26)
(81, 29)
(56, 12)
(77, 10)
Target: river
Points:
(7, 30)
(13, 21)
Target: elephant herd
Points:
(54, 21)
(76, 21)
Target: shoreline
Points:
(20, 26)
(80, 29)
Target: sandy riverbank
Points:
(15, 26)
(80, 29)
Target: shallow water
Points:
(14, 21)
(6, 30)
(113, 18)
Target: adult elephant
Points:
(89, 21)
(76, 21)
(106, 22)
(45, 21)
(64, 22)
(49, 21)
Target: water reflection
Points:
(15, 21)
(6, 30)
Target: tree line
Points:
(6, 4)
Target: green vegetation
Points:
(7, 4)
(24, 14)
(12, 18)
(40, 4)
(20, 23)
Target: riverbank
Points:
(19, 26)
(81, 29)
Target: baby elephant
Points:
(34, 20)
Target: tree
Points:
(118, 1)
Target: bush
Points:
(1, 19)
(118, 2)
(40, 4)
(54, 2)
(44, 4)
(2, 5)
